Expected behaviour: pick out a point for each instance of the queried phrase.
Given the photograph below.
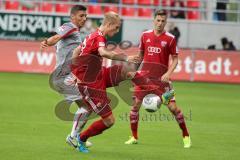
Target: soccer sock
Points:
(134, 117)
(79, 121)
(94, 129)
(181, 122)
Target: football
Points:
(151, 102)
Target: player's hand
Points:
(165, 77)
(134, 59)
(43, 45)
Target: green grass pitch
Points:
(29, 128)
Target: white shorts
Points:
(67, 86)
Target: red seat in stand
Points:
(11, 5)
(144, 2)
(46, 7)
(128, 11)
(95, 9)
(145, 12)
(128, 1)
(62, 8)
(193, 15)
(110, 8)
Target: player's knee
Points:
(136, 104)
(109, 121)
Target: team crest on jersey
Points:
(163, 43)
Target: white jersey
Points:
(61, 79)
(71, 39)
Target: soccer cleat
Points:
(131, 140)
(71, 141)
(81, 145)
(88, 144)
(167, 96)
(187, 142)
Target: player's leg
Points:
(68, 88)
(97, 127)
(116, 74)
(177, 112)
(134, 118)
(94, 129)
(97, 101)
(80, 119)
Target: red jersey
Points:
(88, 68)
(157, 50)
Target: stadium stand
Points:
(11, 5)
(128, 11)
(145, 12)
(46, 7)
(24, 8)
(128, 1)
(193, 15)
(197, 10)
(144, 2)
(62, 8)
(95, 9)
(111, 8)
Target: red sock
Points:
(94, 129)
(134, 117)
(181, 122)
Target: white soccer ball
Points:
(151, 102)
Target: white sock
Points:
(80, 119)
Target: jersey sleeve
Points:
(100, 42)
(173, 47)
(141, 45)
(65, 30)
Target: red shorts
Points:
(96, 98)
(159, 88)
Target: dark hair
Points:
(160, 13)
(224, 40)
(76, 8)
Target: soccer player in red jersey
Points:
(156, 47)
(93, 79)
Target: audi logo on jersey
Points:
(154, 49)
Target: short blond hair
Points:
(111, 17)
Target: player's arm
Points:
(50, 41)
(140, 54)
(114, 55)
(174, 55)
(171, 68)
(137, 57)
(75, 54)
(130, 74)
(119, 56)
(61, 32)
(53, 40)
(141, 48)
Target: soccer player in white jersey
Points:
(66, 39)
